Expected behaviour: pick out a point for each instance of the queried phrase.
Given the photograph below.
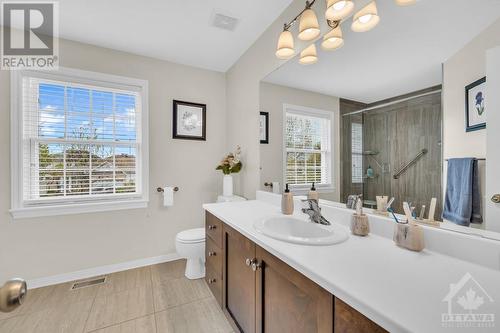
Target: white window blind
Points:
(357, 153)
(80, 141)
(308, 148)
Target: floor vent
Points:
(88, 283)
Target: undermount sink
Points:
(299, 231)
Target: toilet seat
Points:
(191, 236)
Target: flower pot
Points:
(227, 186)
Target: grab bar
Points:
(409, 164)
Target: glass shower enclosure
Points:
(394, 149)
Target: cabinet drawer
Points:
(213, 256)
(214, 282)
(213, 228)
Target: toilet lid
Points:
(192, 235)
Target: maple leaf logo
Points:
(470, 301)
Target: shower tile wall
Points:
(397, 133)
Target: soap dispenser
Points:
(359, 221)
(313, 194)
(287, 202)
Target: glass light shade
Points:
(338, 9)
(308, 25)
(285, 49)
(309, 55)
(406, 2)
(366, 19)
(333, 40)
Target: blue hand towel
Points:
(462, 202)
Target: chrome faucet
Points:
(314, 212)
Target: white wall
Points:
(463, 68)
(42, 247)
(272, 98)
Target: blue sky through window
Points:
(81, 113)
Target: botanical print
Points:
(479, 103)
(189, 120)
(475, 112)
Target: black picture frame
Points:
(175, 129)
(266, 124)
(468, 126)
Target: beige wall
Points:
(272, 98)
(463, 68)
(42, 247)
(242, 90)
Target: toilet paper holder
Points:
(160, 189)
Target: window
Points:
(81, 141)
(357, 153)
(308, 147)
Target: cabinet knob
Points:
(211, 254)
(212, 227)
(256, 265)
(248, 262)
(495, 198)
(211, 281)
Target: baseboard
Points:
(108, 269)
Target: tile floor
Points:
(153, 299)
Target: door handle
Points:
(12, 294)
(495, 198)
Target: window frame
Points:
(68, 205)
(308, 111)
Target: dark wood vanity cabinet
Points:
(287, 301)
(259, 293)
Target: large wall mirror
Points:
(398, 111)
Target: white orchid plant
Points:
(231, 163)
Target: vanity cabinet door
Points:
(239, 280)
(287, 301)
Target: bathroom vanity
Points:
(260, 293)
(363, 284)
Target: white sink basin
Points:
(294, 230)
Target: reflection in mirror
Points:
(384, 116)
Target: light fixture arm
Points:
(292, 22)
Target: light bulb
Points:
(366, 18)
(337, 10)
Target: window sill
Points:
(69, 209)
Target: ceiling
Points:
(180, 31)
(402, 54)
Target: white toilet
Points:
(190, 244)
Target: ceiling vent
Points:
(224, 22)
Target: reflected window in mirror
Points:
(308, 148)
(357, 153)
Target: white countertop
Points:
(398, 289)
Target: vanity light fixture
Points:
(308, 25)
(285, 48)
(333, 40)
(366, 19)
(406, 2)
(309, 55)
(338, 9)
